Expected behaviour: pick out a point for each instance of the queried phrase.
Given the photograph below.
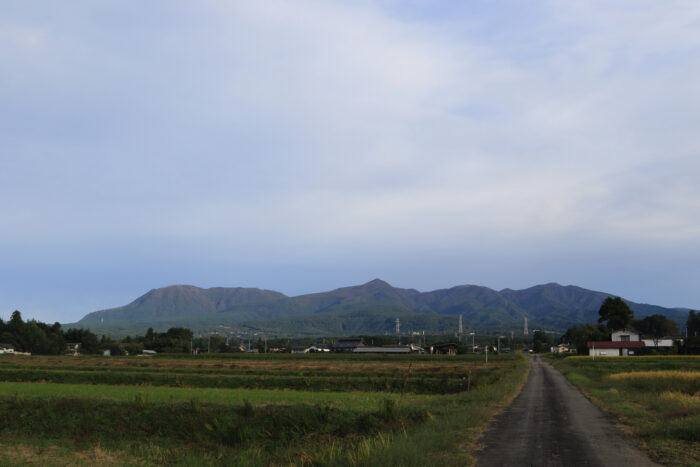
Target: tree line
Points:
(45, 339)
(50, 339)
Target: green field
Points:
(656, 398)
(251, 410)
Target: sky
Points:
(302, 146)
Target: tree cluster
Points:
(44, 339)
(692, 328)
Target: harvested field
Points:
(250, 410)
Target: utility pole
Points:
(398, 330)
(472, 334)
(460, 329)
(487, 353)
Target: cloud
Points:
(322, 127)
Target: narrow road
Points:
(550, 423)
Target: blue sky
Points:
(303, 146)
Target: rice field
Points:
(250, 410)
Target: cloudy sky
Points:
(302, 146)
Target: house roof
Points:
(348, 343)
(615, 344)
(444, 346)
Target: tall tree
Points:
(615, 313)
(656, 326)
(581, 334)
(540, 342)
(693, 324)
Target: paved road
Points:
(551, 423)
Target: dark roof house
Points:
(347, 345)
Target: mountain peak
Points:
(377, 283)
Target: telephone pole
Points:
(398, 329)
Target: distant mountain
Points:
(370, 308)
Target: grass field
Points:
(656, 398)
(250, 410)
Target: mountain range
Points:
(370, 308)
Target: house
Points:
(613, 348)
(395, 349)
(562, 348)
(301, 349)
(347, 345)
(320, 348)
(72, 348)
(7, 348)
(443, 349)
(382, 350)
(625, 335)
(622, 343)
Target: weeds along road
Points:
(550, 423)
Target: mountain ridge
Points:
(361, 308)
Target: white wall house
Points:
(625, 335)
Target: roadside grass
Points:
(656, 398)
(86, 424)
(451, 435)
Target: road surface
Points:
(550, 423)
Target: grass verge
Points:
(657, 399)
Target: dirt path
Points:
(551, 423)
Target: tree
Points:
(693, 324)
(150, 337)
(692, 329)
(540, 342)
(582, 334)
(615, 313)
(89, 343)
(656, 326)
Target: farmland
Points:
(250, 410)
(656, 398)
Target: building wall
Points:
(617, 336)
(604, 352)
(660, 343)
